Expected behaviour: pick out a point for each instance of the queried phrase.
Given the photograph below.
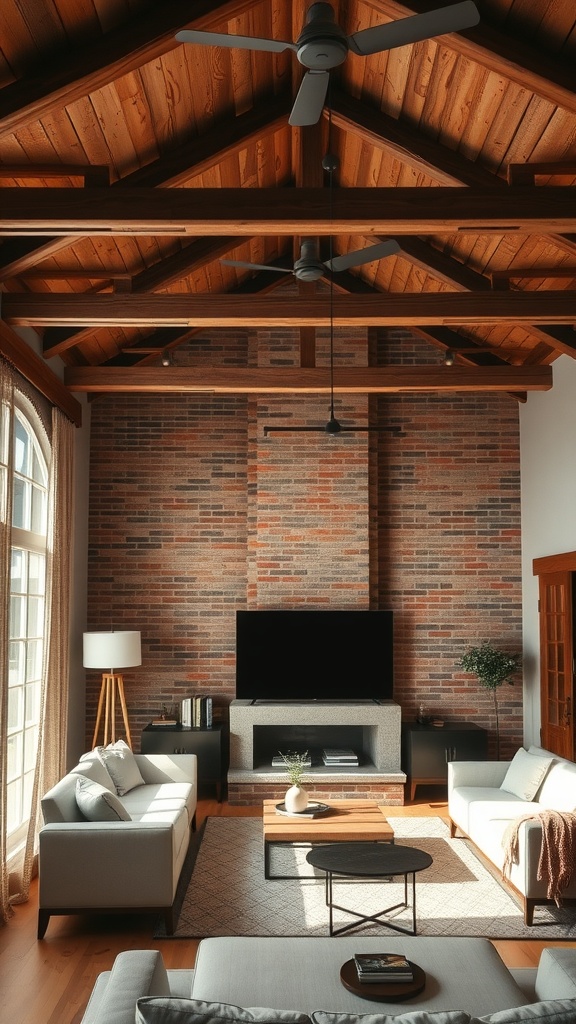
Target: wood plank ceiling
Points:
(131, 165)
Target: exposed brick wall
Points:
(193, 514)
(246, 795)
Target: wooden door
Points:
(557, 662)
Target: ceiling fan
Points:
(322, 45)
(309, 267)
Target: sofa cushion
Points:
(97, 803)
(93, 768)
(551, 1011)
(410, 1017)
(525, 774)
(151, 1010)
(162, 798)
(121, 764)
(558, 791)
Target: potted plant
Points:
(296, 799)
(493, 668)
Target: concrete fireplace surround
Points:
(260, 730)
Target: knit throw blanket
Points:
(557, 852)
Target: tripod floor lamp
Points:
(120, 649)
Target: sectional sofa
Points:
(485, 798)
(116, 833)
(297, 981)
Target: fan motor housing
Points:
(322, 43)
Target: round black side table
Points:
(369, 860)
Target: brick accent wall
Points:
(193, 514)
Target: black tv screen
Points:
(302, 655)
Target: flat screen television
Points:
(303, 655)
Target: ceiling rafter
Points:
(240, 310)
(273, 211)
(305, 380)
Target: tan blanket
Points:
(557, 852)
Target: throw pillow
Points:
(173, 1010)
(412, 1017)
(525, 774)
(121, 765)
(97, 803)
(550, 1011)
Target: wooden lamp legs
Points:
(111, 681)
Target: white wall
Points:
(548, 488)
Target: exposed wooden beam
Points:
(449, 308)
(307, 211)
(35, 370)
(299, 381)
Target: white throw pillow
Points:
(121, 765)
(550, 1011)
(97, 803)
(411, 1017)
(525, 774)
(173, 1010)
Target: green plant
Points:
(296, 764)
(492, 668)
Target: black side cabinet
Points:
(210, 746)
(426, 750)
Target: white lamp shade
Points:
(112, 650)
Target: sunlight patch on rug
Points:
(228, 894)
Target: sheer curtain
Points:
(51, 752)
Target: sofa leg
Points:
(452, 829)
(43, 918)
(194, 822)
(529, 911)
(169, 922)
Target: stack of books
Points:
(279, 762)
(381, 967)
(333, 757)
(196, 712)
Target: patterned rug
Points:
(228, 895)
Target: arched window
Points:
(27, 607)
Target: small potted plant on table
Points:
(296, 799)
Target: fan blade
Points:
(414, 28)
(233, 42)
(309, 102)
(257, 266)
(360, 256)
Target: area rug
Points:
(227, 893)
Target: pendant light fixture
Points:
(332, 427)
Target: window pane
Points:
(38, 513)
(17, 616)
(21, 448)
(33, 660)
(15, 708)
(32, 703)
(17, 662)
(35, 616)
(36, 573)
(20, 510)
(30, 747)
(39, 473)
(18, 571)
(14, 756)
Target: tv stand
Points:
(260, 729)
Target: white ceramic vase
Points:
(296, 800)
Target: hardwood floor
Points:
(50, 981)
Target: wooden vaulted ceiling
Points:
(132, 165)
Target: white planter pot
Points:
(296, 800)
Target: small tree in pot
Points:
(493, 668)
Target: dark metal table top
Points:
(368, 859)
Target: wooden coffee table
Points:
(347, 821)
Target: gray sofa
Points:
(486, 797)
(299, 978)
(115, 835)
